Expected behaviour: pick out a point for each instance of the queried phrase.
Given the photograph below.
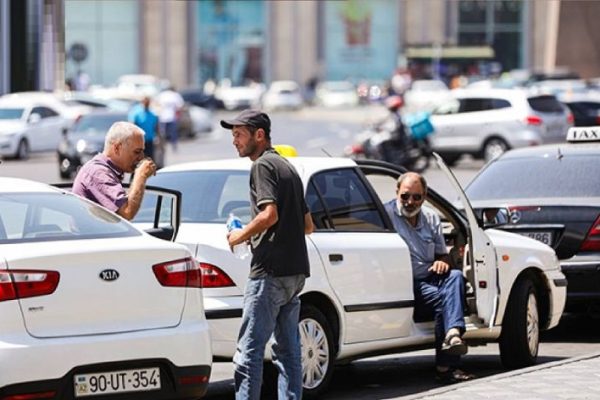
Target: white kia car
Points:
(92, 306)
(359, 298)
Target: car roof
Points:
(552, 150)
(19, 185)
(305, 166)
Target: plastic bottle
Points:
(240, 250)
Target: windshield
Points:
(209, 195)
(37, 217)
(11, 113)
(101, 123)
(542, 177)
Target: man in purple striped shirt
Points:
(100, 178)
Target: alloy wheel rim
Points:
(494, 149)
(315, 353)
(533, 328)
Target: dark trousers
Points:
(149, 148)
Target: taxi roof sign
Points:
(287, 150)
(584, 134)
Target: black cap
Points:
(249, 117)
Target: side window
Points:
(500, 103)
(474, 104)
(340, 200)
(44, 112)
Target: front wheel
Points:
(520, 336)
(493, 148)
(22, 150)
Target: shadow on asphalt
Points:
(577, 328)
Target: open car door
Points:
(481, 256)
(160, 212)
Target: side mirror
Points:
(492, 217)
(34, 118)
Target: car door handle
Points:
(336, 257)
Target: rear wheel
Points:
(493, 148)
(316, 338)
(520, 336)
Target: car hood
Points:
(11, 125)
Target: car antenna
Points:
(559, 155)
(326, 153)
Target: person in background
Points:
(435, 283)
(279, 263)
(143, 117)
(170, 103)
(99, 179)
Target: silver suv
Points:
(486, 122)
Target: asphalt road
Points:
(316, 132)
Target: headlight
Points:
(81, 145)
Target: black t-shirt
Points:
(281, 249)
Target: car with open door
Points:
(359, 300)
(93, 306)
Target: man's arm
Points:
(136, 190)
(309, 227)
(265, 219)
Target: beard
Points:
(408, 211)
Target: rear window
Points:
(37, 217)
(542, 177)
(98, 122)
(209, 196)
(545, 104)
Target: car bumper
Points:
(176, 382)
(583, 277)
(224, 316)
(558, 297)
(26, 359)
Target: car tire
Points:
(22, 150)
(450, 159)
(493, 148)
(520, 337)
(316, 338)
(318, 354)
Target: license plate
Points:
(544, 237)
(131, 380)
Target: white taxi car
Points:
(91, 306)
(359, 298)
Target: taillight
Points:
(598, 119)
(533, 120)
(179, 273)
(22, 283)
(592, 240)
(570, 118)
(214, 277)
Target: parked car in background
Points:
(585, 108)
(239, 96)
(336, 94)
(425, 95)
(359, 299)
(282, 95)
(553, 195)
(30, 123)
(94, 307)
(198, 97)
(86, 139)
(93, 102)
(485, 123)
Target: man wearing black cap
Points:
(279, 261)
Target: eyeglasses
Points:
(415, 196)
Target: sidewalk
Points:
(573, 378)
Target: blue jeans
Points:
(446, 294)
(271, 306)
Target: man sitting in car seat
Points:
(435, 283)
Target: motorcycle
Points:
(386, 142)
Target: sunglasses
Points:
(415, 196)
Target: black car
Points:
(199, 98)
(553, 195)
(586, 110)
(85, 139)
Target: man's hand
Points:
(439, 267)
(235, 237)
(146, 168)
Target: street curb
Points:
(505, 375)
